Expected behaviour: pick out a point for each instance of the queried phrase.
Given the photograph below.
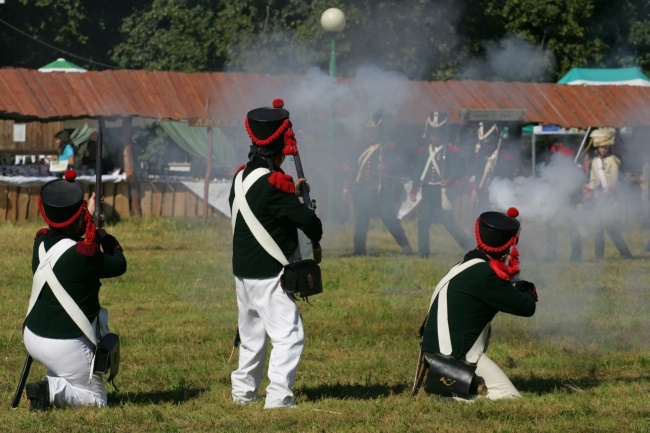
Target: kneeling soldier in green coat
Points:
(457, 329)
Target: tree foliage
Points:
(421, 39)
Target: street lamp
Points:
(332, 21)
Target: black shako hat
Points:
(61, 199)
(61, 204)
(269, 129)
(496, 230)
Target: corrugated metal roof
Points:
(30, 94)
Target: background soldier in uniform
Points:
(437, 167)
(600, 192)
(378, 186)
(265, 310)
(489, 160)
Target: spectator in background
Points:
(65, 147)
(90, 156)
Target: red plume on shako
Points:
(496, 233)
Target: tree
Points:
(177, 35)
(36, 32)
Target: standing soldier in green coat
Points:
(460, 313)
(266, 312)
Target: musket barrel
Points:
(99, 217)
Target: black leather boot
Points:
(38, 394)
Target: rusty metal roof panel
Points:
(178, 95)
(106, 90)
(612, 105)
(629, 102)
(579, 112)
(23, 101)
(171, 95)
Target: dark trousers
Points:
(551, 243)
(368, 203)
(600, 205)
(617, 238)
(430, 210)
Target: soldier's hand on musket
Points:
(299, 183)
(526, 286)
(413, 194)
(91, 203)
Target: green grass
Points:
(582, 362)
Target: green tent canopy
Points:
(61, 65)
(617, 76)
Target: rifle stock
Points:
(311, 204)
(99, 208)
(21, 383)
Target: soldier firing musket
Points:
(63, 327)
(266, 216)
(455, 332)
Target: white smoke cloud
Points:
(544, 198)
(511, 59)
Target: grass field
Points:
(582, 362)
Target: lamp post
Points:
(332, 21)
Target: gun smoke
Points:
(329, 116)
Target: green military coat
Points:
(281, 213)
(474, 297)
(79, 275)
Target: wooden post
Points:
(129, 167)
(208, 165)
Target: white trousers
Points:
(266, 313)
(68, 363)
(498, 384)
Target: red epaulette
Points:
(283, 182)
(454, 148)
(240, 169)
(41, 232)
(392, 147)
(508, 157)
(420, 150)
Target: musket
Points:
(99, 208)
(582, 145)
(21, 383)
(421, 367)
(490, 169)
(235, 345)
(311, 204)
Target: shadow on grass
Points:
(550, 385)
(351, 391)
(178, 395)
